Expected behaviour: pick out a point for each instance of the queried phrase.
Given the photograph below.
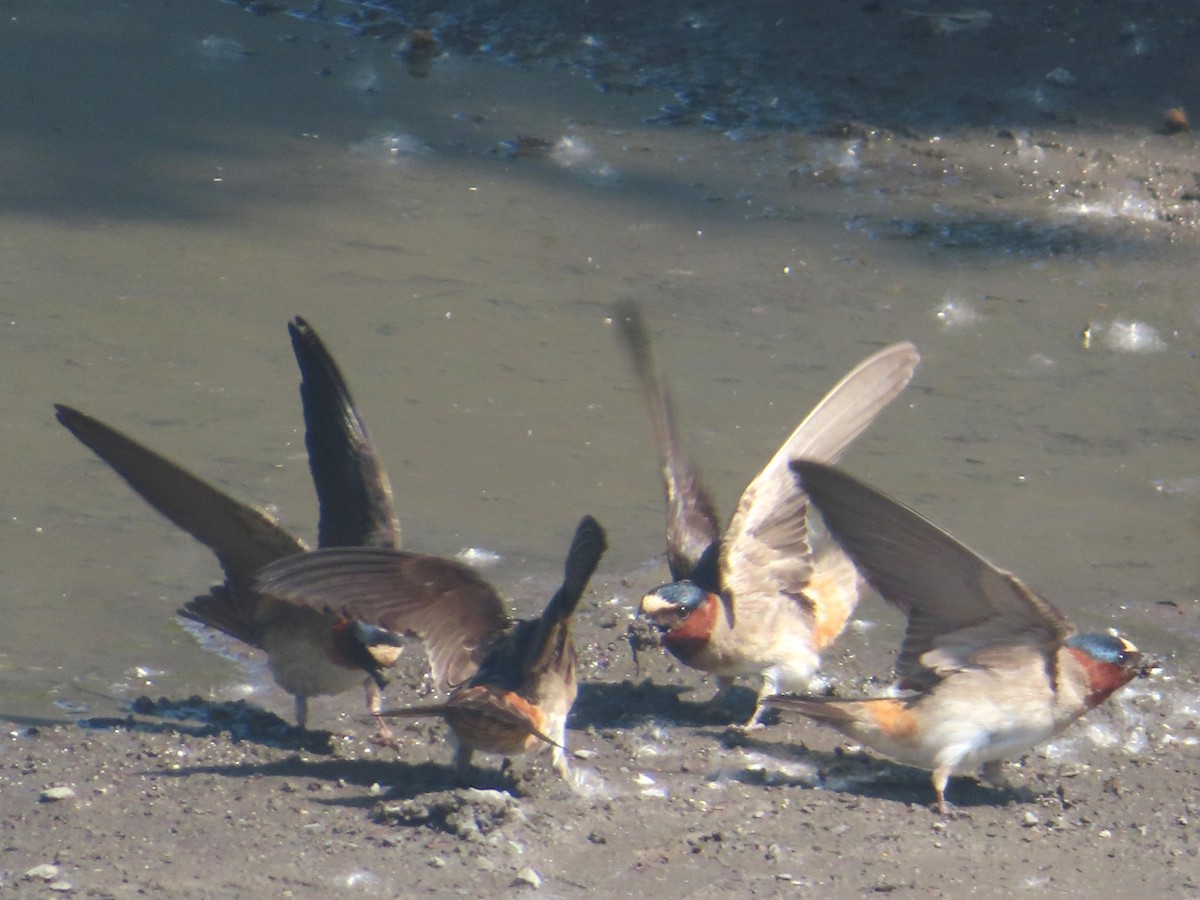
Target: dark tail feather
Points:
(416, 712)
(220, 609)
(353, 491)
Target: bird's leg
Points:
(716, 704)
(558, 762)
(770, 686)
(558, 752)
(462, 763)
(993, 773)
(940, 778)
(301, 707)
(383, 736)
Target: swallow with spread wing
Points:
(511, 684)
(761, 600)
(993, 668)
(309, 653)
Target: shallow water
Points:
(179, 181)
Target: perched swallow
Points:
(511, 684)
(309, 653)
(993, 668)
(759, 600)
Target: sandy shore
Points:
(190, 798)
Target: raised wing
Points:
(692, 526)
(353, 492)
(447, 605)
(766, 555)
(244, 539)
(587, 546)
(958, 604)
(538, 645)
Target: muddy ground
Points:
(192, 798)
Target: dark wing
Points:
(536, 646)
(353, 493)
(447, 605)
(587, 546)
(244, 539)
(766, 555)
(957, 603)
(692, 526)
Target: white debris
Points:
(1061, 77)
(1132, 337)
(478, 558)
(222, 49)
(396, 148)
(956, 311)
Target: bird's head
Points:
(1109, 661)
(681, 616)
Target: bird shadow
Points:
(384, 782)
(859, 774)
(240, 722)
(627, 703)
(197, 717)
(379, 778)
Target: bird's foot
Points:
(383, 737)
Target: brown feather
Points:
(243, 539)
(446, 604)
(766, 555)
(353, 491)
(692, 526)
(957, 603)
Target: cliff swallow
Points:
(309, 653)
(511, 684)
(993, 668)
(765, 598)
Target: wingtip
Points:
(906, 350)
(811, 469)
(627, 314)
(68, 415)
(300, 327)
(302, 333)
(631, 329)
(589, 527)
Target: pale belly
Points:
(301, 667)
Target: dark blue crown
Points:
(687, 595)
(1104, 647)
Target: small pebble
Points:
(528, 877)
(44, 872)
(50, 795)
(1175, 121)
